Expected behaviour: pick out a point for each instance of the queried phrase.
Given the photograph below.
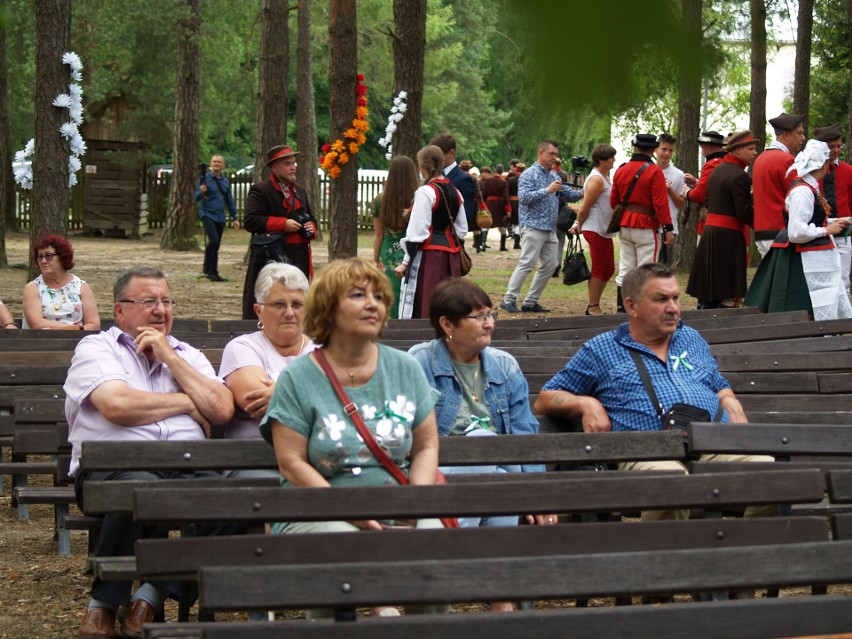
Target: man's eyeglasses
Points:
(482, 317)
(151, 303)
(280, 307)
(45, 256)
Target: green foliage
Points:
(500, 75)
(830, 76)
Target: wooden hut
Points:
(114, 176)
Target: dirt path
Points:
(100, 261)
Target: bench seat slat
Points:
(546, 577)
(754, 619)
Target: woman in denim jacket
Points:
(482, 389)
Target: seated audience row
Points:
(136, 382)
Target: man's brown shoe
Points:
(99, 623)
(140, 612)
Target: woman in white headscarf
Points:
(802, 269)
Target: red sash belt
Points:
(724, 221)
(728, 222)
(493, 198)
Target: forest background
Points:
(499, 75)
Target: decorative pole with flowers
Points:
(338, 153)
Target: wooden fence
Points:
(158, 200)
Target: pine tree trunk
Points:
(306, 121)
(688, 118)
(757, 108)
(7, 181)
(50, 164)
(179, 233)
(409, 44)
(272, 82)
(849, 79)
(802, 84)
(342, 80)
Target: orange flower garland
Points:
(338, 153)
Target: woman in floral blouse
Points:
(315, 442)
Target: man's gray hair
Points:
(142, 270)
(635, 280)
(279, 273)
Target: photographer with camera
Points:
(279, 217)
(648, 374)
(213, 192)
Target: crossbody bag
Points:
(351, 410)
(679, 415)
(618, 211)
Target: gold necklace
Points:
(472, 391)
(278, 348)
(352, 376)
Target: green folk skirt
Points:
(779, 283)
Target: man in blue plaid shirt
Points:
(601, 385)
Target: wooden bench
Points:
(604, 492)
(699, 323)
(755, 619)
(548, 448)
(450, 566)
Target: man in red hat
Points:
(279, 217)
(770, 179)
(837, 188)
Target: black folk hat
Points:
(787, 121)
(645, 141)
(828, 133)
(711, 137)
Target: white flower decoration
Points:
(68, 130)
(369, 411)
(397, 112)
(72, 60)
(72, 102)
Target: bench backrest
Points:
(180, 558)
(610, 492)
(548, 577)
(545, 448)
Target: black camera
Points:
(579, 162)
(202, 169)
(303, 218)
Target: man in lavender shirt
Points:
(135, 382)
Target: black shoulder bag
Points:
(618, 211)
(679, 415)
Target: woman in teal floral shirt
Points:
(390, 217)
(316, 443)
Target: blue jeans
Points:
(213, 230)
(474, 522)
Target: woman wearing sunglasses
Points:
(56, 299)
